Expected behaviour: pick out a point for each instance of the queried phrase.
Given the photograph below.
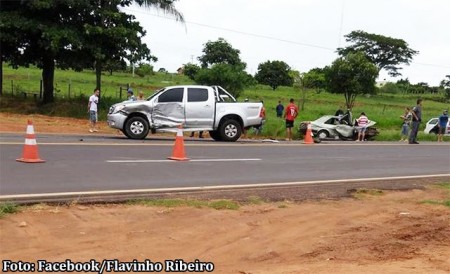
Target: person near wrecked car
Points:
(290, 114)
(339, 113)
(141, 96)
(415, 123)
(362, 121)
(93, 110)
(130, 95)
(442, 125)
(406, 117)
(279, 109)
(258, 129)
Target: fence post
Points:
(40, 90)
(12, 87)
(120, 93)
(69, 90)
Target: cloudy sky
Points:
(302, 33)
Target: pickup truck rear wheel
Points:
(136, 128)
(215, 135)
(230, 130)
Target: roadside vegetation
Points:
(444, 202)
(384, 107)
(8, 208)
(170, 203)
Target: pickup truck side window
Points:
(171, 95)
(197, 95)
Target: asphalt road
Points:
(100, 163)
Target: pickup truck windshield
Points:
(156, 93)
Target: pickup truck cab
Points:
(196, 108)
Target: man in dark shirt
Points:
(416, 119)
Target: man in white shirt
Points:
(93, 109)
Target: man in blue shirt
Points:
(443, 121)
(279, 109)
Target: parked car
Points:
(196, 108)
(432, 127)
(330, 126)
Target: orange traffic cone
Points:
(30, 149)
(178, 153)
(308, 136)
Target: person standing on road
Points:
(416, 119)
(443, 121)
(200, 134)
(290, 115)
(258, 130)
(279, 109)
(93, 110)
(406, 117)
(363, 121)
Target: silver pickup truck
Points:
(196, 108)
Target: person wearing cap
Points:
(442, 125)
(130, 95)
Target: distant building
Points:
(180, 70)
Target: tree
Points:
(445, 84)
(221, 65)
(351, 75)
(219, 52)
(191, 70)
(274, 74)
(144, 70)
(72, 34)
(111, 35)
(385, 52)
(231, 78)
(315, 79)
(39, 32)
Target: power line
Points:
(266, 36)
(237, 31)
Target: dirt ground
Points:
(389, 233)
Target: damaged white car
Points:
(336, 127)
(196, 108)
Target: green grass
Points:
(8, 208)
(170, 203)
(364, 192)
(385, 108)
(445, 186)
(439, 202)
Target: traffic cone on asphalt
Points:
(30, 149)
(178, 153)
(308, 136)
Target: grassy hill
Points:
(73, 88)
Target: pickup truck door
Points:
(168, 110)
(200, 107)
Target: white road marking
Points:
(191, 160)
(203, 188)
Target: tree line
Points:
(96, 34)
(74, 34)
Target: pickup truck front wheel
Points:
(136, 128)
(230, 131)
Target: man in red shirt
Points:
(290, 115)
